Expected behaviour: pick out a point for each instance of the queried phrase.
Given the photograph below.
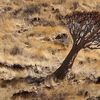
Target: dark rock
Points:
(61, 38)
(17, 67)
(97, 80)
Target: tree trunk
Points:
(61, 72)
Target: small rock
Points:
(61, 38)
(97, 80)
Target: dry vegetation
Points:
(33, 44)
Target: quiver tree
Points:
(84, 28)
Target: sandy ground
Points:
(30, 50)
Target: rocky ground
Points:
(33, 44)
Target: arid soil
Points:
(33, 44)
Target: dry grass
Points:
(37, 51)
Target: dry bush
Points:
(24, 95)
(31, 9)
(16, 51)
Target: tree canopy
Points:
(84, 28)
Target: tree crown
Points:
(84, 28)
